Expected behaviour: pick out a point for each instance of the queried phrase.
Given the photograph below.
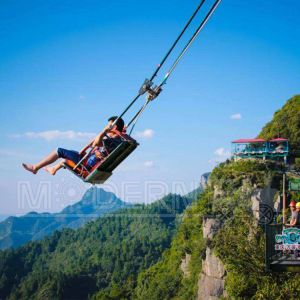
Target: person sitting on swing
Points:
(107, 136)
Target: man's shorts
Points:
(69, 154)
(76, 157)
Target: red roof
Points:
(279, 140)
(246, 141)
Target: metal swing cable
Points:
(199, 29)
(162, 62)
(137, 116)
(126, 109)
(177, 40)
(187, 46)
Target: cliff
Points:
(218, 251)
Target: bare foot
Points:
(50, 170)
(30, 168)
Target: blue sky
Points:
(66, 66)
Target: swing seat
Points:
(104, 168)
(103, 171)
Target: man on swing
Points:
(97, 143)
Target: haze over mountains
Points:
(15, 231)
(103, 256)
(96, 202)
(212, 247)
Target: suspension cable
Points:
(147, 84)
(199, 29)
(125, 111)
(162, 62)
(137, 116)
(177, 40)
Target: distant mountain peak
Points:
(15, 231)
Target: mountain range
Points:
(100, 260)
(16, 231)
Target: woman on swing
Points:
(97, 143)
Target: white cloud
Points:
(221, 152)
(237, 116)
(146, 134)
(51, 135)
(149, 163)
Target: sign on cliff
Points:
(288, 240)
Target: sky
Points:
(66, 66)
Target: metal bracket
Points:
(145, 86)
(152, 91)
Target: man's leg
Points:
(51, 158)
(55, 168)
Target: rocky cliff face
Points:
(262, 200)
(212, 278)
(218, 251)
(204, 180)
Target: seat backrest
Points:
(112, 143)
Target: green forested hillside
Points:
(286, 123)
(239, 243)
(138, 253)
(16, 231)
(165, 279)
(102, 258)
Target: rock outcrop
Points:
(263, 202)
(210, 227)
(204, 180)
(184, 266)
(211, 284)
(212, 278)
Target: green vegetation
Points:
(133, 254)
(156, 251)
(165, 279)
(16, 231)
(286, 123)
(239, 243)
(105, 255)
